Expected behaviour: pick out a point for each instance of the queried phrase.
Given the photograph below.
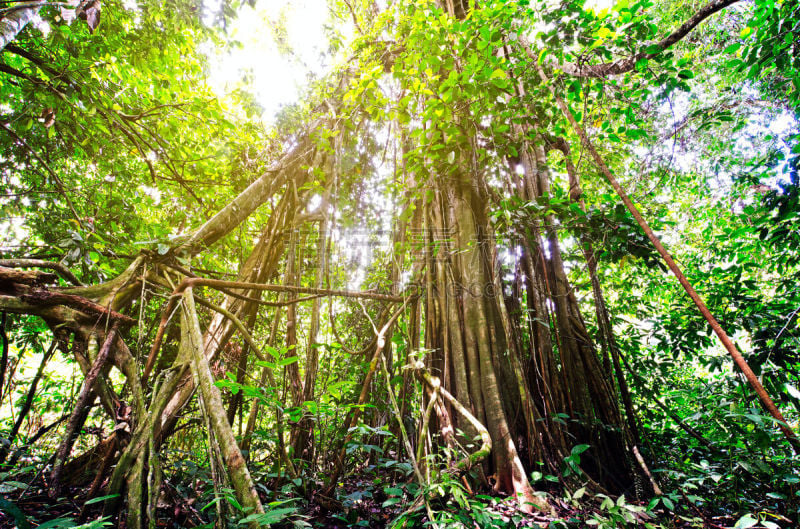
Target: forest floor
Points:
(365, 506)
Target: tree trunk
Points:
(16, 20)
(192, 342)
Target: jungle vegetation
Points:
(502, 263)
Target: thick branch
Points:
(46, 298)
(217, 283)
(41, 64)
(248, 338)
(14, 22)
(250, 299)
(13, 278)
(250, 199)
(192, 343)
(60, 269)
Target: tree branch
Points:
(85, 398)
(47, 298)
(15, 21)
(727, 343)
(58, 182)
(628, 64)
(217, 283)
(62, 270)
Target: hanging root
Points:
(435, 385)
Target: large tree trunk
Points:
(520, 378)
(465, 326)
(480, 353)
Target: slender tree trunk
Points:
(4, 352)
(727, 343)
(304, 429)
(85, 399)
(292, 370)
(28, 403)
(260, 265)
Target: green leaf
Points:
(270, 365)
(269, 517)
(101, 498)
(10, 486)
(60, 523)
(733, 48)
(11, 509)
(289, 360)
(745, 521)
(579, 449)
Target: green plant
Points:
(614, 514)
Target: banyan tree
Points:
(454, 127)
